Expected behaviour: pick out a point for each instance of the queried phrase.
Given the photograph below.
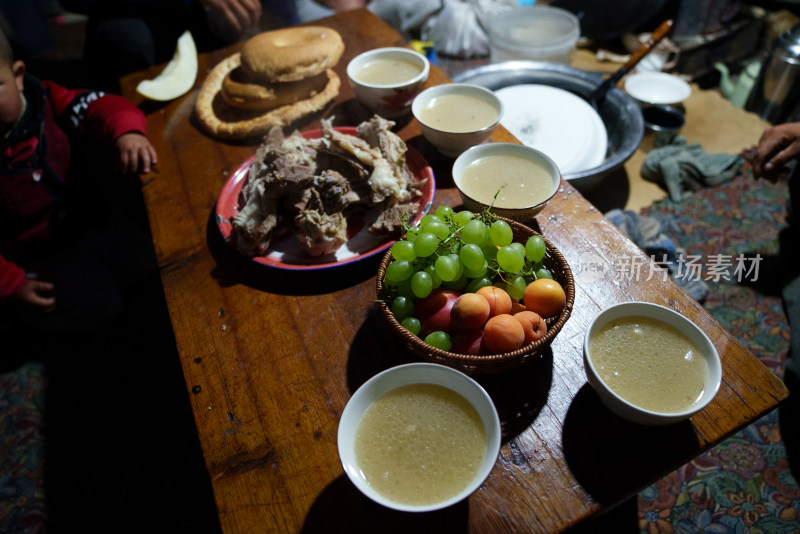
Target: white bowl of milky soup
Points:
(419, 437)
(523, 179)
(456, 116)
(650, 364)
(386, 80)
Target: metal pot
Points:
(620, 113)
(776, 94)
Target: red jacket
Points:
(35, 164)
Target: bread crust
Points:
(240, 93)
(291, 54)
(224, 121)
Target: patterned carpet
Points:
(745, 484)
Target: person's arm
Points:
(238, 14)
(14, 284)
(778, 146)
(106, 118)
(12, 278)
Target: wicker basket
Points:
(491, 363)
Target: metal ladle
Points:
(596, 97)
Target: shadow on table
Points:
(609, 456)
(342, 508)
(612, 192)
(519, 396)
(233, 268)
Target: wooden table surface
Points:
(271, 357)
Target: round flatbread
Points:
(222, 120)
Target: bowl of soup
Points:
(419, 437)
(386, 80)
(649, 364)
(517, 181)
(456, 116)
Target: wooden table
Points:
(271, 357)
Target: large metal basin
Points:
(620, 113)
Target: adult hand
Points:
(35, 294)
(778, 146)
(239, 14)
(134, 153)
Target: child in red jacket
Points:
(40, 125)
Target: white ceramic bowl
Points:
(657, 88)
(388, 100)
(512, 149)
(452, 144)
(417, 373)
(628, 410)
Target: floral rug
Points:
(743, 485)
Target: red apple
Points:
(470, 342)
(433, 311)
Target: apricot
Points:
(499, 300)
(433, 311)
(470, 311)
(545, 297)
(517, 307)
(533, 325)
(503, 333)
(470, 342)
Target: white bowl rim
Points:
(431, 370)
(448, 87)
(363, 56)
(679, 88)
(714, 376)
(475, 152)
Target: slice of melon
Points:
(178, 76)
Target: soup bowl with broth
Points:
(456, 116)
(523, 179)
(419, 437)
(386, 80)
(650, 364)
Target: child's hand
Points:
(35, 294)
(134, 153)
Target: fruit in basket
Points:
(450, 254)
(545, 297)
(470, 311)
(499, 300)
(411, 324)
(433, 311)
(440, 340)
(534, 326)
(503, 333)
(470, 342)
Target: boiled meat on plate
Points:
(308, 186)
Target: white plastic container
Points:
(538, 33)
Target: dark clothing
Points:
(124, 36)
(61, 217)
(37, 169)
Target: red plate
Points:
(285, 253)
